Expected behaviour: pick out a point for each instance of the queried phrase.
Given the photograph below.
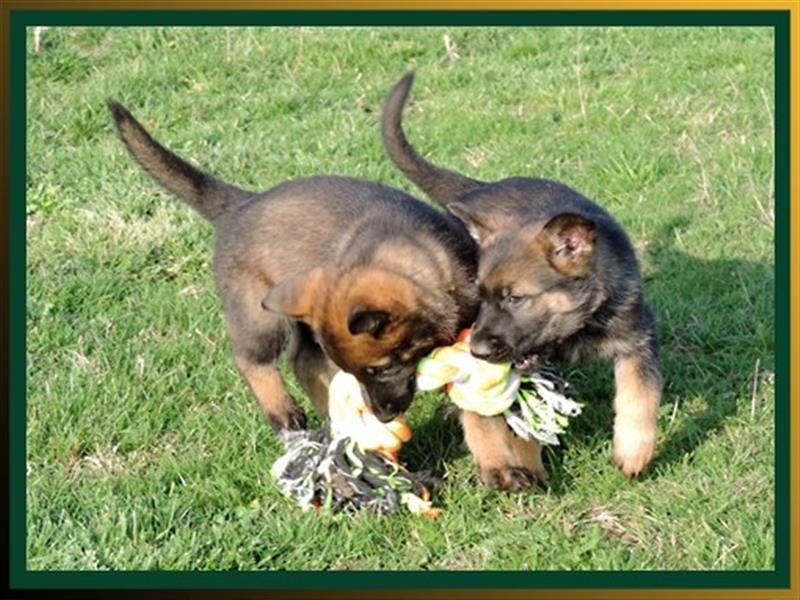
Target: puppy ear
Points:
(296, 296)
(365, 320)
(479, 226)
(568, 241)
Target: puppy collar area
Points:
(354, 462)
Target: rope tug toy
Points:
(353, 463)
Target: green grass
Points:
(145, 449)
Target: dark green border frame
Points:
(20, 578)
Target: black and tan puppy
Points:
(345, 273)
(559, 280)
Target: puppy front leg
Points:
(265, 381)
(638, 395)
(314, 371)
(504, 461)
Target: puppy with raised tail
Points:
(341, 272)
(559, 280)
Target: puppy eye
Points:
(516, 299)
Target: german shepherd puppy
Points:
(345, 273)
(559, 280)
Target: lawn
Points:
(145, 449)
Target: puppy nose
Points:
(384, 415)
(483, 348)
(387, 409)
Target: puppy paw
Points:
(293, 419)
(633, 449)
(542, 476)
(528, 455)
(510, 479)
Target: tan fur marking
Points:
(556, 302)
(496, 450)
(574, 267)
(576, 263)
(522, 268)
(374, 289)
(487, 440)
(504, 273)
(529, 455)
(525, 276)
(266, 383)
(298, 296)
(636, 406)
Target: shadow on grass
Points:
(717, 324)
(715, 319)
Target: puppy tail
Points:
(209, 196)
(439, 184)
